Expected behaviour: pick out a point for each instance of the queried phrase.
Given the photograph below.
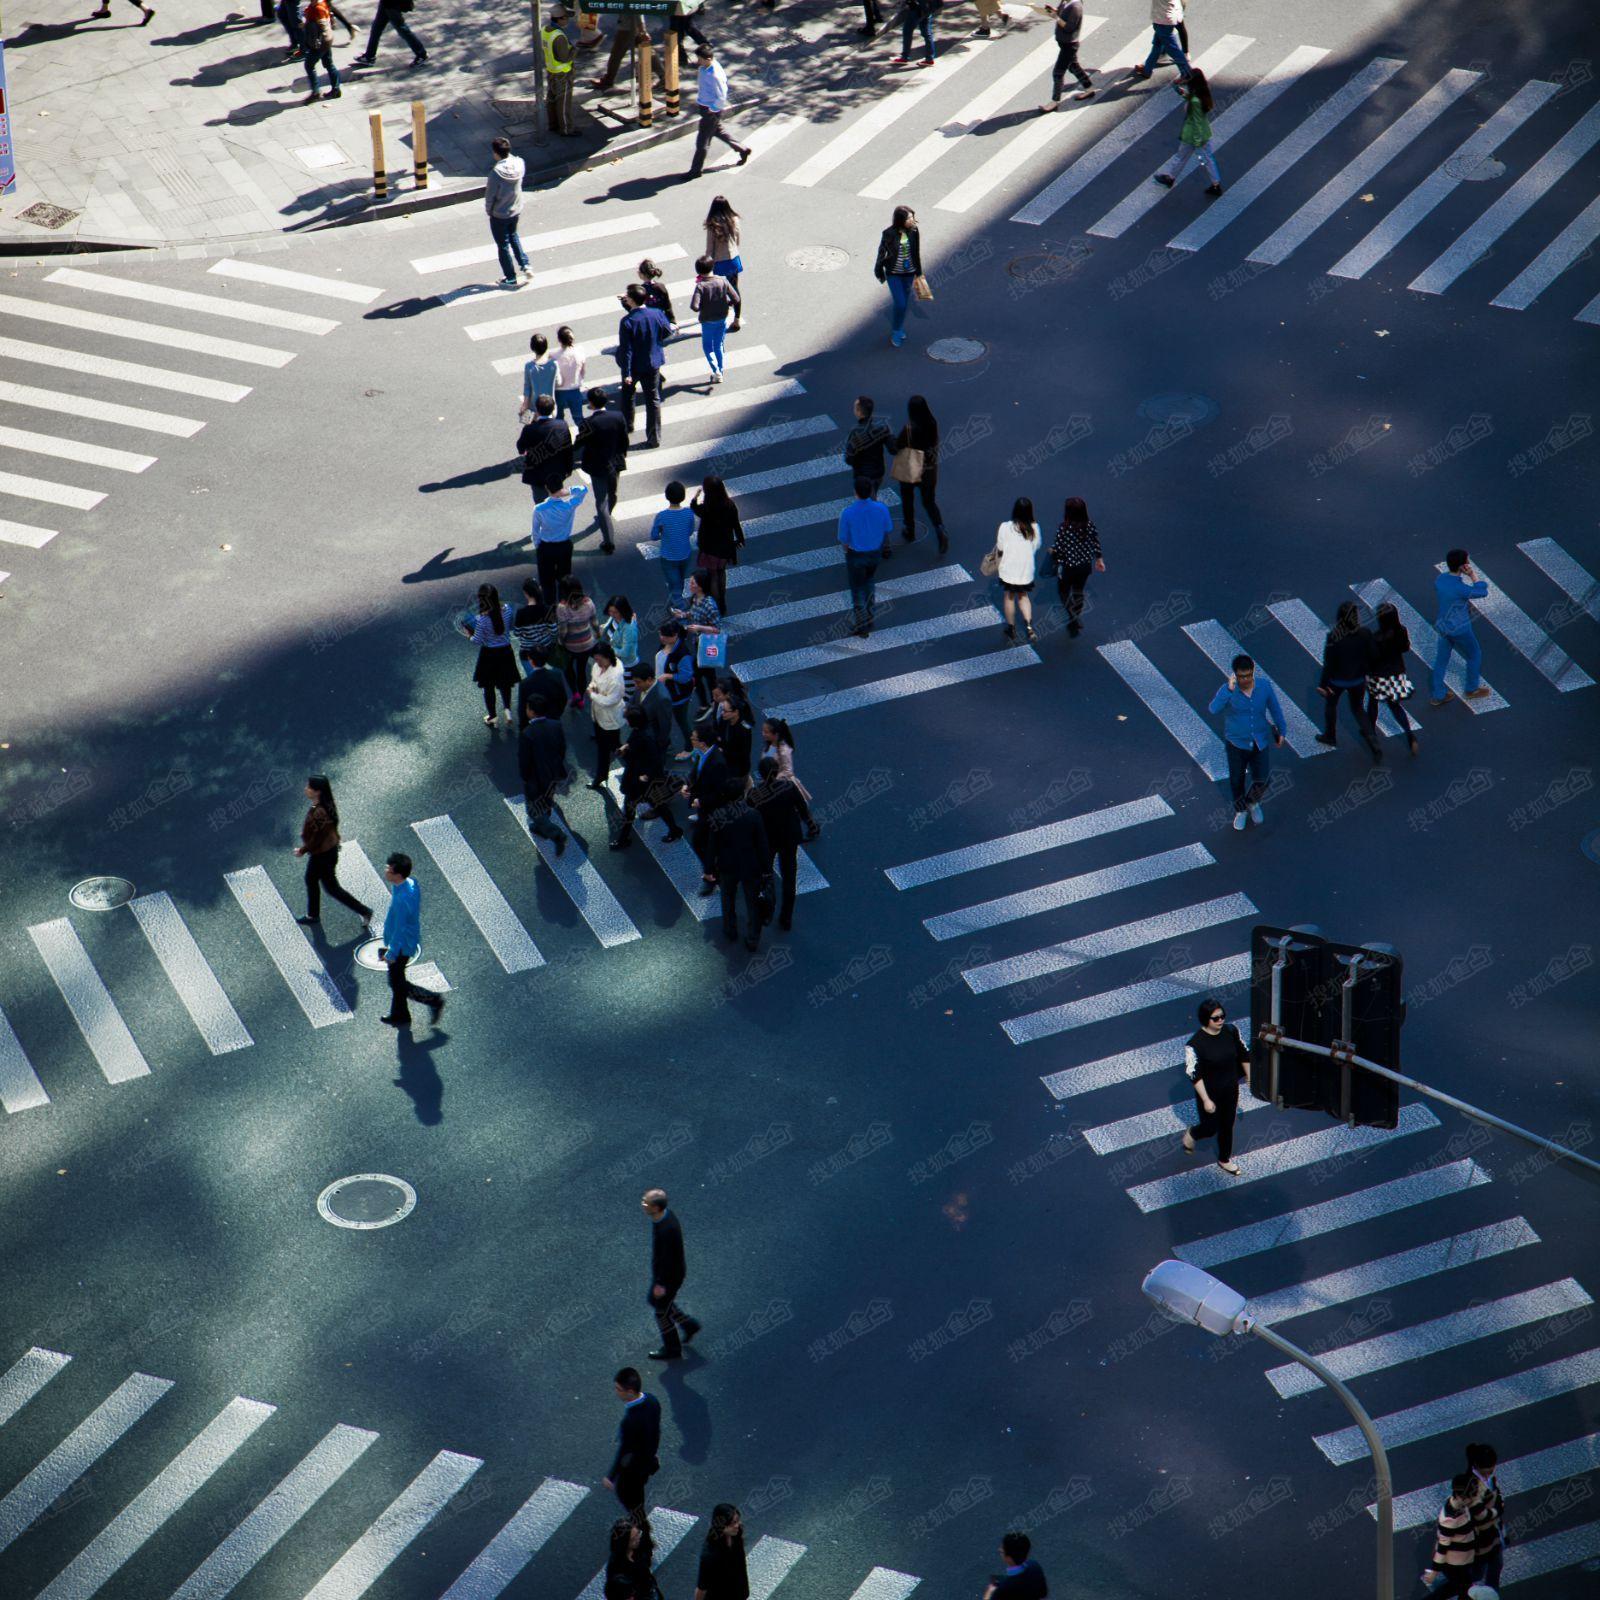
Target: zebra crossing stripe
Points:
(77, 405)
(770, 1563)
(1310, 1222)
(146, 332)
(301, 968)
(668, 1527)
(77, 1453)
(746, 356)
(747, 440)
(405, 1517)
(1408, 1266)
(863, 132)
(1205, 978)
(1030, 841)
(772, 133)
(1526, 637)
(168, 1492)
(20, 1089)
(584, 271)
(500, 926)
(1015, 153)
(46, 355)
(52, 494)
(1163, 1123)
(1479, 1321)
(751, 572)
(1466, 1406)
(90, 455)
(575, 872)
(552, 239)
(209, 305)
(1568, 575)
(905, 684)
(1153, 111)
(884, 1583)
(849, 648)
(1346, 184)
(1288, 1155)
(1424, 641)
(26, 534)
(714, 405)
(1219, 648)
(1246, 190)
(360, 294)
(1558, 1464)
(25, 1377)
(1236, 115)
(823, 605)
(1531, 187)
(1305, 628)
(1358, 261)
(328, 1460)
(1551, 1553)
(749, 483)
(190, 973)
(1590, 313)
(1126, 1065)
(365, 882)
(1570, 245)
(89, 1001)
(1079, 952)
(516, 1544)
(1174, 713)
(531, 321)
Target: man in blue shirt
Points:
(1251, 717)
(1455, 586)
(402, 939)
(1023, 1578)
(641, 349)
(552, 537)
(864, 527)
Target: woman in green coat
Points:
(1194, 139)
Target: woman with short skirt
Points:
(496, 670)
(1215, 1062)
(579, 629)
(319, 844)
(1387, 683)
(1075, 554)
(1017, 545)
(721, 534)
(723, 1574)
(778, 741)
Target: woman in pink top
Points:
(575, 621)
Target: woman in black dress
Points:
(628, 1575)
(1347, 655)
(721, 534)
(1216, 1061)
(921, 432)
(723, 1575)
(1387, 683)
(490, 630)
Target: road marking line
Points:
(500, 926)
(1568, 575)
(1310, 633)
(668, 1527)
(79, 1451)
(884, 1583)
(1424, 641)
(1124, 1067)
(46, 355)
(1526, 637)
(291, 952)
(1219, 648)
(328, 1460)
(25, 533)
(850, 648)
(1568, 246)
(929, 581)
(1147, 1126)
(1067, 892)
(1551, 1553)
(92, 455)
(1205, 978)
(825, 511)
(751, 572)
(1478, 147)
(189, 973)
(89, 1001)
(25, 1377)
(516, 1544)
(20, 1089)
(684, 356)
(1175, 714)
(77, 405)
(576, 873)
(770, 1563)
(1555, 1465)
(360, 294)
(169, 1491)
(583, 271)
(209, 305)
(906, 684)
(714, 405)
(578, 311)
(52, 494)
(364, 881)
(145, 332)
(749, 483)
(747, 440)
(605, 228)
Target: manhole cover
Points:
(1471, 169)
(1048, 266)
(1191, 408)
(101, 894)
(818, 258)
(1591, 846)
(315, 157)
(44, 215)
(366, 1200)
(953, 352)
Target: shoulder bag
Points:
(907, 465)
(919, 287)
(990, 564)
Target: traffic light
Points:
(1347, 998)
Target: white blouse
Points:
(605, 695)
(1019, 557)
(569, 367)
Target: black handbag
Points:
(766, 899)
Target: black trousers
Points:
(607, 742)
(682, 26)
(1357, 695)
(710, 128)
(1219, 1122)
(928, 488)
(322, 873)
(605, 500)
(540, 813)
(670, 1316)
(631, 1486)
(1069, 585)
(656, 802)
(1067, 61)
(402, 989)
(716, 582)
(554, 560)
(700, 842)
(731, 889)
(874, 12)
(788, 876)
(648, 384)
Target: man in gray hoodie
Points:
(502, 199)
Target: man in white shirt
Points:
(712, 98)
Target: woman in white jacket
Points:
(605, 706)
(1017, 545)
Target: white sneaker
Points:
(1255, 814)
(1238, 822)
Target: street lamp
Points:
(1187, 1294)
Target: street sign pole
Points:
(8, 156)
(541, 113)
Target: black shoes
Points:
(708, 887)
(309, 922)
(1327, 739)
(1214, 189)
(1165, 179)
(673, 837)
(690, 1329)
(666, 1355)
(622, 841)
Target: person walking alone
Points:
(1346, 661)
(496, 671)
(1216, 1062)
(641, 352)
(712, 299)
(1016, 564)
(559, 57)
(1450, 1574)
(402, 940)
(502, 200)
(1488, 1515)
(916, 470)
(1166, 17)
(1251, 719)
(724, 247)
(899, 265)
(864, 528)
(319, 844)
(1455, 587)
(711, 99)
(1387, 681)
(391, 12)
(915, 15)
(723, 1574)
(1194, 137)
(668, 1269)
(1075, 554)
(638, 1443)
(1069, 29)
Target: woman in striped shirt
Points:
(1449, 1575)
(702, 616)
(575, 620)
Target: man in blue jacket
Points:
(1251, 719)
(402, 939)
(1456, 586)
(641, 350)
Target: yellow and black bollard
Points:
(380, 178)
(419, 142)
(670, 74)
(646, 82)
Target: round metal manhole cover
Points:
(1047, 266)
(955, 352)
(818, 258)
(101, 894)
(366, 1200)
(1474, 169)
(1191, 408)
(367, 956)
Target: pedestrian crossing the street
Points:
(312, 1513)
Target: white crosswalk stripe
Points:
(1310, 633)
(1561, 1463)
(25, 1377)
(687, 364)
(89, 455)
(746, 441)
(1219, 648)
(772, 133)
(1424, 641)
(360, 294)
(669, 1529)
(46, 355)
(78, 405)
(576, 874)
(318, 995)
(1567, 574)
(884, 1583)
(582, 271)
(25, 533)
(687, 409)
(1175, 714)
(1145, 1126)
(1126, 1065)
(144, 332)
(743, 623)
(1551, 1553)
(1245, 190)
(945, 626)
(516, 1544)
(533, 321)
(770, 1563)
(20, 1089)
(1572, 244)
(209, 305)
(751, 572)
(482, 900)
(552, 239)
(749, 483)
(190, 973)
(51, 494)
(1526, 637)
(95, 1012)
(905, 684)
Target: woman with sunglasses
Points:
(1216, 1062)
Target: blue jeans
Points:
(321, 56)
(712, 336)
(1467, 646)
(570, 402)
(507, 242)
(900, 295)
(924, 24)
(1165, 43)
(676, 574)
(861, 567)
(1252, 763)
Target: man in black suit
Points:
(603, 454)
(545, 445)
(543, 691)
(780, 806)
(743, 858)
(667, 1272)
(638, 1441)
(644, 780)
(706, 789)
(542, 761)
